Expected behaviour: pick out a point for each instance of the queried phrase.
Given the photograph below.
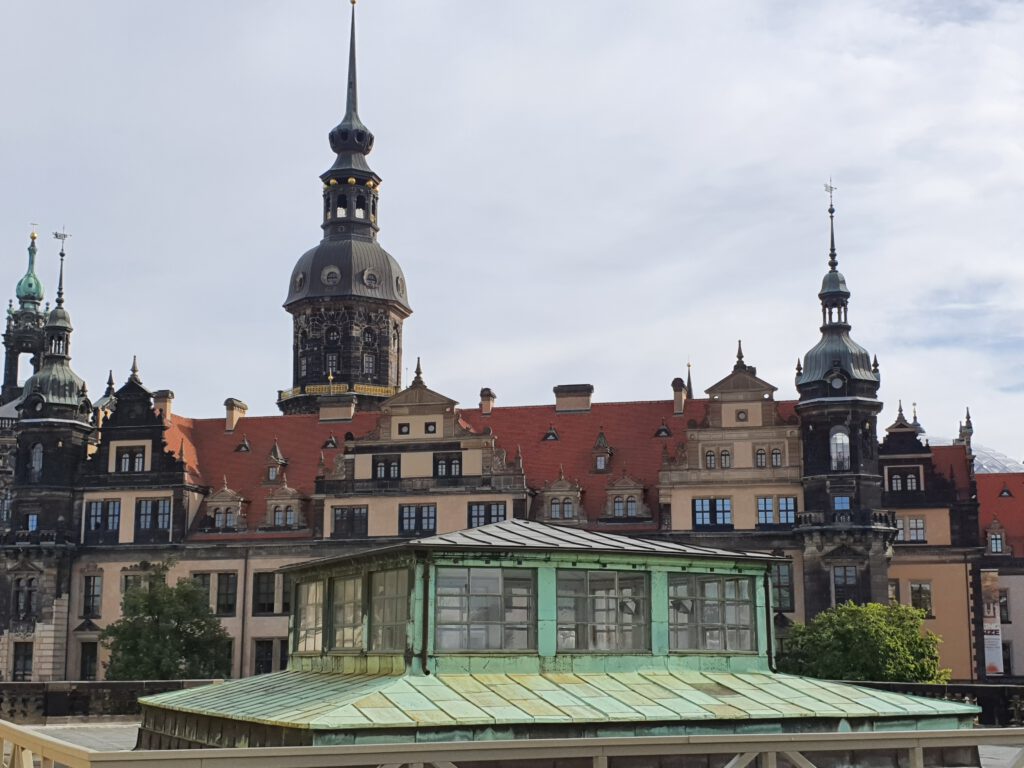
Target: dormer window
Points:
(618, 506)
(568, 512)
(551, 434)
(131, 459)
(556, 509)
(996, 542)
(601, 462)
(271, 473)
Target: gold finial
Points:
(33, 235)
(330, 374)
(351, 181)
(353, 2)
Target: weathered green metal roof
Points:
(320, 701)
(530, 536)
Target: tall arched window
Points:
(393, 470)
(911, 481)
(229, 518)
(278, 516)
(726, 459)
(36, 463)
(218, 518)
(761, 458)
(709, 460)
(442, 467)
(456, 467)
(896, 483)
(631, 506)
(567, 509)
(342, 206)
(138, 461)
(360, 207)
(289, 516)
(618, 506)
(556, 509)
(776, 457)
(839, 450)
(379, 470)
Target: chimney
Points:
(678, 396)
(233, 411)
(573, 397)
(338, 407)
(487, 398)
(162, 402)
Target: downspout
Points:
(425, 631)
(245, 613)
(768, 620)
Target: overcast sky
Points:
(578, 192)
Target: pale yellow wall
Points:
(115, 444)
(936, 524)
(753, 410)
(126, 527)
(950, 604)
(419, 464)
(243, 622)
(364, 466)
(417, 427)
(382, 512)
(473, 462)
(744, 501)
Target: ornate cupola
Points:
(52, 431)
(846, 534)
(347, 296)
(836, 366)
(24, 332)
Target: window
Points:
(263, 657)
(894, 591)
(568, 512)
(447, 464)
(369, 363)
(394, 470)
(896, 483)
(602, 611)
(309, 619)
(776, 457)
(723, 511)
(1004, 606)
(709, 460)
(130, 458)
(286, 593)
(701, 512)
(556, 509)
(430, 427)
(131, 581)
(726, 459)
(203, 580)
(921, 597)
(87, 656)
(5, 506)
(787, 510)
(227, 593)
(485, 609)
(379, 469)
(224, 518)
(350, 522)
(92, 596)
(35, 469)
(839, 450)
(347, 613)
(32, 522)
(331, 362)
(485, 514)
(600, 462)
(995, 543)
(302, 366)
(844, 584)
(389, 610)
(156, 513)
(765, 510)
(262, 593)
(104, 515)
(912, 482)
(782, 587)
(760, 458)
(841, 503)
(417, 519)
(631, 506)
(271, 473)
(456, 467)
(290, 518)
(915, 529)
(710, 613)
(279, 516)
(22, 662)
(901, 533)
(360, 207)
(403, 429)
(25, 598)
(619, 507)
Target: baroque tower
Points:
(347, 296)
(24, 334)
(846, 535)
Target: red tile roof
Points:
(1007, 509)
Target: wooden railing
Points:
(912, 749)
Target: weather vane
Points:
(830, 189)
(62, 236)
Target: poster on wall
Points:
(990, 624)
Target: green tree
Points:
(865, 642)
(166, 633)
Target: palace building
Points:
(94, 491)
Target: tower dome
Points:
(29, 290)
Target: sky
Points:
(578, 192)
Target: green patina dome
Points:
(30, 290)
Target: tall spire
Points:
(351, 140)
(352, 97)
(60, 280)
